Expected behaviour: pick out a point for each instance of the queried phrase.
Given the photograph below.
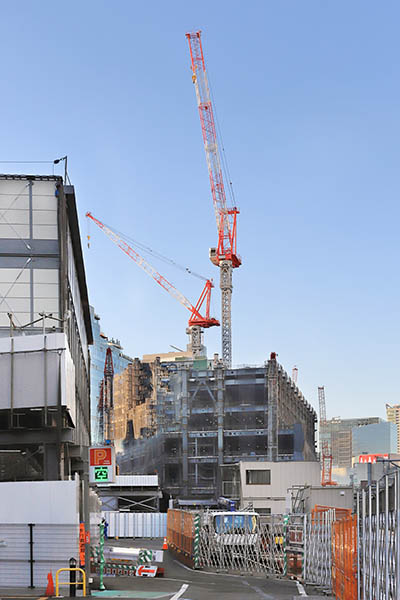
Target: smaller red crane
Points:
(197, 321)
(326, 454)
(105, 406)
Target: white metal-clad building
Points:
(133, 493)
(266, 484)
(45, 331)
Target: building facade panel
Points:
(97, 357)
(378, 438)
(45, 429)
(338, 433)
(393, 415)
(265, 485)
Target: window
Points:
(258, 477)
(263, 511)
(235, 523)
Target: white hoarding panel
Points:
(36, 361)
(49, 502)
(136, 525)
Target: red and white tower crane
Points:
(108, 395)
(105, 406)
(326, 454)
(224, 255)
(196, 322)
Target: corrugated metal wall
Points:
(53, 546)
(136, 525)
(133, 480)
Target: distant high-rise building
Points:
(377, 438)
(393, 415)
(135, 398)
(97, 359)
(339, 434)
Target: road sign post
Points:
(101, 556)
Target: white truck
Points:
(231, 529)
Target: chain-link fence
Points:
(242, 543)
(317, 548)
(379, 533)
(245, 542)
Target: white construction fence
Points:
(136, 525)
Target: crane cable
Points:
(146, 249)
(225, 166)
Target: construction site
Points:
(201, 422)
(186, 417)
(215, 460)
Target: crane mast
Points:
(105, 406)
(224, 255)
(326, 453)
(100, 414)
(108, 398)
(196, 321)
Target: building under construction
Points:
(205, 419)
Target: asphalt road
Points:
(182, 583)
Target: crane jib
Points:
(225, 218)
(196, 318)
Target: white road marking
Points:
(180, 592)
(182, 565)
(258, 591)
(206, 572)
(178, 580)
(300, 588)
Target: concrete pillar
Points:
(51, 465)
(220, 379)
(273, 399)
(86, 508)
(184, 416)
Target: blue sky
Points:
(307, 96)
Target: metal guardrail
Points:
(82, 583)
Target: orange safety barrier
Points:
(180, 533)
(339, 513)
(344, 558)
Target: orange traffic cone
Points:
(50, 585)
(165, 545)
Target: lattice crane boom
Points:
(108, 403)
(225, 216)
(196, 320)
(326, 453)
(225, 255)
(105, 406)
(322, 405)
